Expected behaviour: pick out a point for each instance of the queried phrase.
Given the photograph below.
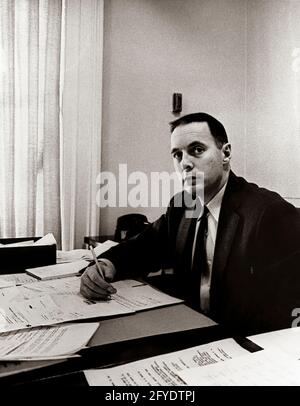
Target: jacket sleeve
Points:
(148, 252)
(278, 235)
(278, 262)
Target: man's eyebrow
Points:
(191, 145)
(194, 143)
(173, 150)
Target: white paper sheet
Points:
(48, 239)
(75, 255)
(288, 340)
(164, 370)
(58, 300)
(15, 279)
(58, 270)
(262, 368)
(104, 246)
(46, 342)
(141, 297)
(6, 284)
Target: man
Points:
(249, 278)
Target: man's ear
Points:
(226, 148)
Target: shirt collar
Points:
(214, 205)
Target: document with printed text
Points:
(262, 368)
(163, 370)
(55, 301)
(15, 279)
(46, 342)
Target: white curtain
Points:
(81, 117)
(50, 118)
(29, 117)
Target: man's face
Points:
(196, 156)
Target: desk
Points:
(120, 340)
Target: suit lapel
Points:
(184, 232)
(227, 227)
(226, 232)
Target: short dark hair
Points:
(216, 128)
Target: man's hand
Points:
(93, 286)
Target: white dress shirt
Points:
(214, 207)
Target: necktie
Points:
(199, 264)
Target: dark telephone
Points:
(130, 225)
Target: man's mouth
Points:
(191, 179)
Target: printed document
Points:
(163, 370)
(56, 301)
(15, 279)
(262, 368)
(46, 342)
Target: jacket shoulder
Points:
(254, 197)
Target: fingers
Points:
(108, 270)
(93, 286)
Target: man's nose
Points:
(187, 162)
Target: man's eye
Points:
(198, 150)
(177, 155)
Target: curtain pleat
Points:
(81, 110)
(50, 118)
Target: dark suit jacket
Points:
(256, 270)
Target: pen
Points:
(97, 262)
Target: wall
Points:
(153, 48)
(273, 96)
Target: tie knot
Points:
(204, 212)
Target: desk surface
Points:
(124, 339)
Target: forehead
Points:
(186, 133)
